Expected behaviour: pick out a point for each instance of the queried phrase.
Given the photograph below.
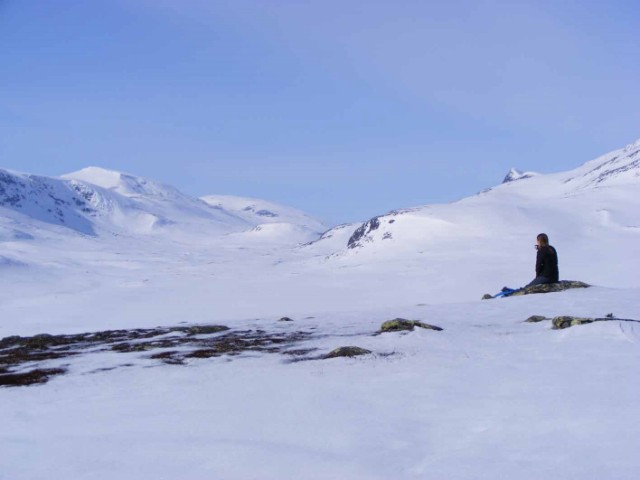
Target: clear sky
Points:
(345, 109)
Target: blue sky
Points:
(345, 109)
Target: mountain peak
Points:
(632, 145)
(123, 183)
(515, 174)
(102, 177)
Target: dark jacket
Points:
(547, 263)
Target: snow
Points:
(488, 397)
(272, 221)
(259, 211)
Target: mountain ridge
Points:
(95, 201)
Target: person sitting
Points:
(546, 262)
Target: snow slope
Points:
(273, 223)
(590, 214)
(260, 212)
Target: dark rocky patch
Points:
(550, 287)
(202, 329)
(196, 341)
(566, 321)
(536, 319)
(347, 352)
(545, 288)
(286, 319)
(299, 352)
(362, 231)
(29, 378)
(266, 213)
(402, 324)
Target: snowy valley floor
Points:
(488, 397)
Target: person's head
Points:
(543, 240)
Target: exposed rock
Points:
(566, 321)
(347, 352)
(298, 352)
(515, 175)
(29, 378)
(286, 319)
(402, 324)
(203, 329)
(172, 345)
(362, 231)
(536, 319)
(545, 288)
(550, 287)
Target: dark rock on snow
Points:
(29, 378)
(172, 345)
(401, 324)
(536, 319)
(551, 287)
(567, 321)
(347, 352)
(361, 232)
(546, 288)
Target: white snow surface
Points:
(487, 397)
(260, 212)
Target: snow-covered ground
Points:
(488, 397)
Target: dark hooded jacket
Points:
(547, 263)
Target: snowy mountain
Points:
(590, 213)
(45, 200)
(271, 221)
(141, 206)
(257, 212)
(97, 202)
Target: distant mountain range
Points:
(591, 212)
(603, 194)
(97, 202)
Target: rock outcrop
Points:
(536, 319)
(550, 287)
(359, 236)
(402, 324)
(347, 352)
(566, 321)
(545, 288)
